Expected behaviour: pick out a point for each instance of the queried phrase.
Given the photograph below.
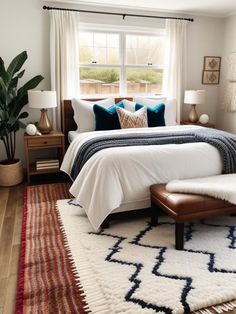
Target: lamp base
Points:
(44, 124)
(193, 116)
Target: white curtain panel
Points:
(174, 76)
(229, 102)
(230, 97)
(64, 58)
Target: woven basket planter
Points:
(11, 174)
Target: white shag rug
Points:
(133, 268)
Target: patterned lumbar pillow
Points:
(129, 119)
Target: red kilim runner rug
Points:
(47, 280)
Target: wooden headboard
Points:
(68, 123)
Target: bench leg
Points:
(179, 236)
(155, 211)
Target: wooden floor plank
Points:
(18, 217)
(8, 253)
(4, 192)
(3, 285)
(10, 296)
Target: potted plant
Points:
(12, 101)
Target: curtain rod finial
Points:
(45, 7)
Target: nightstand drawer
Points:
(41, 142)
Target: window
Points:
(120, 63)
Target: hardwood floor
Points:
(11, 205)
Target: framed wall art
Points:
(210, 77)
(211, 70)
(212, 63)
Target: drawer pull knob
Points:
(45, 142)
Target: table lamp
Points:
(43, 99)
(194, 97)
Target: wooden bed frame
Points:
(68, 124)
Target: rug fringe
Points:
(92, 297)
(218, 309)
(71, 261)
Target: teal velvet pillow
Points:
(107, 119)
(156, 115)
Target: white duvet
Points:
(118, 179)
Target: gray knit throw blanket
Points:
(223, 141)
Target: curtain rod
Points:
(121, 14)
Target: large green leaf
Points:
(31, 84)
(16, 64)
(2, 67)
(22, 94)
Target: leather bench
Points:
(185, 208)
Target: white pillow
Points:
(84, 115)
(170, 107)
(129, 105)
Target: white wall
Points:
(25, 26)
(226, 120)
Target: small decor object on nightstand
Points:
(32, 130)
(44, 100)
(194, 97)
(204, 119)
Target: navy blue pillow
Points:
(107, 119)
(156, 115)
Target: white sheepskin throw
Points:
(221, 186)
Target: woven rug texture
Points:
(47, 280)
(132, 267)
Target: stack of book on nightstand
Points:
(43, 164)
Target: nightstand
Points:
(54, 139)
(207, 125)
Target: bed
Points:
(117, 179)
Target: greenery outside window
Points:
(121, 63)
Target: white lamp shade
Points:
(42, 99)
(194, 97)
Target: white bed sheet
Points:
(118, 179)
(72, 135)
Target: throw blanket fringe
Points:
(223, 141)
(221, 186)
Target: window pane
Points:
(86, 54)
(112, 56)
(100, 40)
(142, 49)
(144, 81)
(94, 80)
(86, 39)
(113, 40)
(100, 55)
(102, 48)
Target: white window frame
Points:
(122, 32)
